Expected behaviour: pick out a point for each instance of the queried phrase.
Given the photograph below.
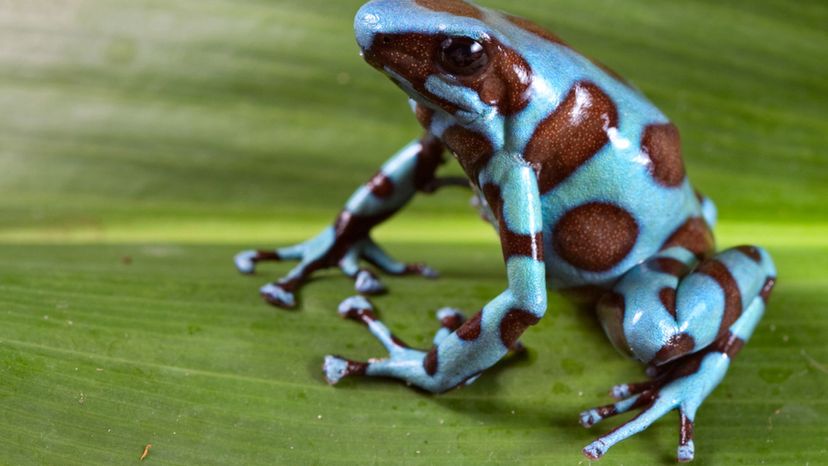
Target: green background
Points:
(144, 142)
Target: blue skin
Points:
(688, 347)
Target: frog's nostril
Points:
(386, 40)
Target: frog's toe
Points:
(593, 416)
(277, 296)
(336, 368)
(595, 450)
(246, 262)
(367, 283)
(422, 270)
(686, 453)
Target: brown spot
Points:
(686, 430)
(266, 256)
(534, 28)
(424, 116)
(662, 144)
(505, 84)
(595, 236)
(767, 288)
(381, 186)
(366, 316)
(676, 346)
(356, 368)
(521, 245)
(695, 236)
(430, 361)
(452, 322)
(733, 297)
(471, 329)
(473, 149)
(668, 299)
(751, 252)
(669, 266)
(452, 7)
(428, 160)
(514, 324)
(611, 308)
(572, 135)
(729, 344)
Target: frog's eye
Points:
(462, 56)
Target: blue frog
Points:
(582, 178)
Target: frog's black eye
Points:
(462, 56)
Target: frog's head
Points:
(446, 54)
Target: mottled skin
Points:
(583, 179)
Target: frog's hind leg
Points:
(687, 321)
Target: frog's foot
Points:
(401, 356)
(361, 310)
(684, 387)
(324, 251)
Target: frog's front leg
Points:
(688, 321)
(348, 241)
(459, 356)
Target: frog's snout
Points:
(366, 24)
(378, 16)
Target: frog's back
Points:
(614, 186)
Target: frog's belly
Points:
(602, 221)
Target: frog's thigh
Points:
(665, 308)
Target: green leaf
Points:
(144, 142)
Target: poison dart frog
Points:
(583, 180)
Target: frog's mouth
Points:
(464, 114)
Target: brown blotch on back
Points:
(471, 329)
(662, 144)
(667, 296)
(677, 346)
(514, 323)
(611, 308)
(751, 252)
(695, 236)
(473, 149)
(453, 7)
(430, 361)
(595, 236)
(572, 135)
(733, 297)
